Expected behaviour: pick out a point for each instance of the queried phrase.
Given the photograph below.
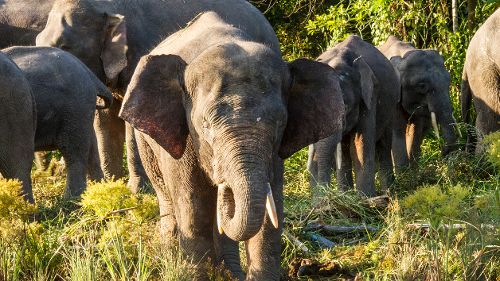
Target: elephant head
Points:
(425, 84)
(356, 80)
(96, 37)
(241, 107)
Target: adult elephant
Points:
(481, 78)
(111, 36)
(17, 128)
(370, 88)
(213, 106)
(65, 92)
(425, 100)
(22, 20)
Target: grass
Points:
(91, 240)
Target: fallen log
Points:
(379, 202)
(322, 241)
(296, 241)
(340, 229)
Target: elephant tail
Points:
(106, 97)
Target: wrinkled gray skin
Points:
(425, 85)
(111, 36)
(20, 23)
(65, 92)
(481, 79)
(370, 90)
(17, 128)
(22, 20)
(213, 105)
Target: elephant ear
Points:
(367, 80)
(153, 102)
(114, 52)
(315, 106)
(396, 62)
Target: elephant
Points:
(481, 79)
(111, 36)
(17, 128)
(65, 92)
(371, 91)
(20, 23)
(215, 112)
(22, 20)
(425, 100)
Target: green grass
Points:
(112, 234)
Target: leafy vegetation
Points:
(442, 221)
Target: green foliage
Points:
(435, 204)
(12, 204)
(102, 198)
(493, 150)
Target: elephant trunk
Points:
(442, 114)
(242, 195)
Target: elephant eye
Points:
(205, 124)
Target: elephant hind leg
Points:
(74, 145)
(18, 166)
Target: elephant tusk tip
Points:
(271, 208)
(434, 124)
(219, 225)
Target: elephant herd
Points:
(208, 109)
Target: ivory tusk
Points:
(434, 124)
(338, 155)
(271, 207)
(456, 126)
(219, 193)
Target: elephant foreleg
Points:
(264, 250)
(363, 155)
(399, 151)
(414, 137)
(168, 224)
(312, 166)
(384, 160)
(227, 251)
(344, 171)
(138, 179)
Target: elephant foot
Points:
(138, 184)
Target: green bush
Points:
(435, 204)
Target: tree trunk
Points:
(454, 14)
(471, 13)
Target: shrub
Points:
(12, 204)
(104, 197)
(435, 204)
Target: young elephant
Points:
(370, 88)
(425, 100)
(65, 92)
(213, 108)
(17, 126)
(481, 78)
